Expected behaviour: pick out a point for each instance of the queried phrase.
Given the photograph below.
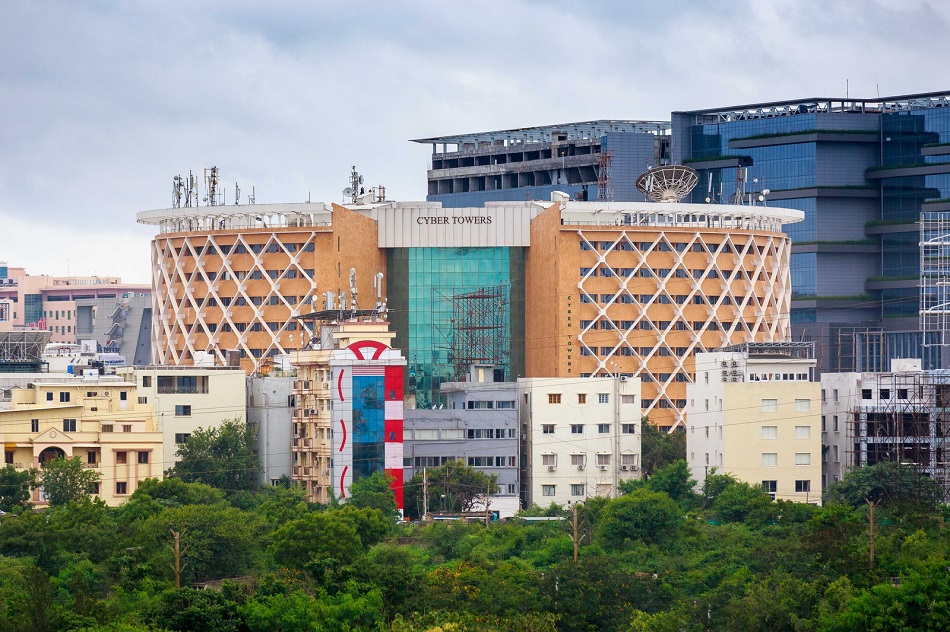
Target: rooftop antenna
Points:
(251, 199)
(353, 191)
(380, 303)
(211, 186)
(237, 194)
(177, 186)
(353, 292)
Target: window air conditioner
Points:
(551, 468)
(603, 468)
(580, 468)
(625, 468)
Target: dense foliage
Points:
(222, 456)
(661, 557)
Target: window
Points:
(577, 489)
(34, 425)
(121, 488)
(106, 427)
(603, 398)
(183, 410)
(824, 427)
(603, 428)
(69, 425)
(769, 405)
(885, 393)
(834, 453)
(769, 459)
(143, 400)
(628, 459)
(802, 405)
(834, 423)
(803, 458)
(549, 459)
(121, 458)
(123, 396)
(181, 437)
(803, 432)
(49, 396)
(127, 428)
(628, 399)
(577, 428)
(64, 396)
(91, 457)
(578, 459)
(802, 486)
(902, 393)
(628, 428)
(582, 398)
(822, 394)
(603, 459)
(554, 398)
(865, 393)
(770, 432)
(547, 428)
(8, 457)
(547, 490)
(143, 457)
(146, 381)
(770, 487)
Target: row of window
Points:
(489, 404)
(241, 249)
(577, 489)
(663, 273)
(601, 428)
(491, 433)
(602, 398)
(54, 314)
(580, 459)
(492, 461)
(771, 405)
(770, 459)
(660, 298)
(662, 246)
(662, 325)
(771, 487)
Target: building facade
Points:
(754, 412)
(863, 172)
(120, 326)
(478, 427)
(270, 408)
(50, 303)
(559, 288)
(348, 417)
(580, 437)
(185, 398)
(100, 419)
(590, 160)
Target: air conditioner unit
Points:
(725, 372)
(580, 468)
(623, 378)
(551, 468)
(735, 379)
(625, 468)
(735, 363)
(603, 468)
(724, 363)
(326, 385)
(735, 372)
(634, 468)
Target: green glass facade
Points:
(430, 287)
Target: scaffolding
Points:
(935, 277)
(906, 421)
(480, 329)
(605, 189)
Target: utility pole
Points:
(487, 494)
(425, 495)
(178, 567)
(576, 535)
(871, 507)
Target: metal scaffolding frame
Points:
(480, 329)
(23, 345)
(935, 276)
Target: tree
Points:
(15, 487)
(659, 448)
(374, 492)
(642, 514)
(902, 488)
(452, 487)
(64, 480)
(675, 481)
(306, 542)
(222, 457)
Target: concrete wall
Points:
(269, 410)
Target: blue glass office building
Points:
(862, 171)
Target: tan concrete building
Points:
(185, 398)
(755, 412)
(101, 420)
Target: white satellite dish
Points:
(347, 191)
(361, 179)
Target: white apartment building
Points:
(753, 412)
(186, 398)
(580, 437)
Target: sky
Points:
(102, 103)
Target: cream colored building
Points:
(581, 437)
(101, 420)
(186, 398)
(754, 412)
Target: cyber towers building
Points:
(872, 177)
(537, 289)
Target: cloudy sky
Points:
(103, 102)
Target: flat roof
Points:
(846, 103)
(543, 133)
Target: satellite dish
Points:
(361, 179)
(347, 191)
